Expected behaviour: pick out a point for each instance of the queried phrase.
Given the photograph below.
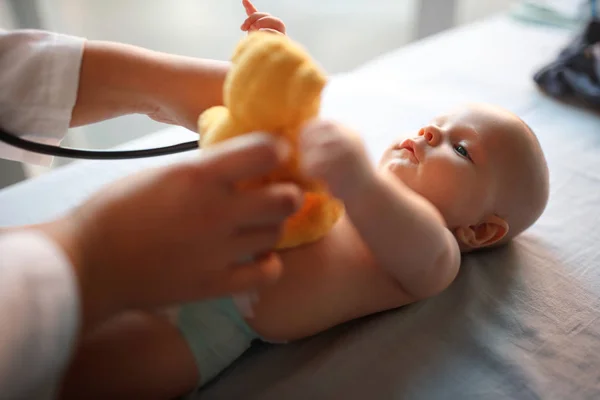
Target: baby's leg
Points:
(138, 355)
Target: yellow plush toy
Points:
(274, 86)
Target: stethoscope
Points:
(47, 149)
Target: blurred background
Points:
(340, 34)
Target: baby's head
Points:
(482, 167)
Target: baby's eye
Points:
(462, 151)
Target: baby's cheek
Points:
(467, 201)
(445, 188)
(445, 191)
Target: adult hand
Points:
(179, 233)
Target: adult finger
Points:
(245, 277)
(256, 241)
(249, 7)
(268, 205)
(243, 157)
(252, 19)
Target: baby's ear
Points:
(484, 234)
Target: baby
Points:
(473, 178)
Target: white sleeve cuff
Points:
(39, 305)
(39, 78)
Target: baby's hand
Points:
(260, 21)
(334, 154)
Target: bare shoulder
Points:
(325, 284)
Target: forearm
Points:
(407, 236)
(118, 79)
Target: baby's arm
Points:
(260, 21)
(405, 233)
(137, 355)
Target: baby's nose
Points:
(431, 135)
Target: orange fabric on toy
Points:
(274, 86)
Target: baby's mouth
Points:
(409, 147)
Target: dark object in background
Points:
(575, 74)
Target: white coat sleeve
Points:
(39, 315)
(39, 78)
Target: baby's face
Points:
(457, 161)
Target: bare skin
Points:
(455, 185)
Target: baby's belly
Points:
(323, 285)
